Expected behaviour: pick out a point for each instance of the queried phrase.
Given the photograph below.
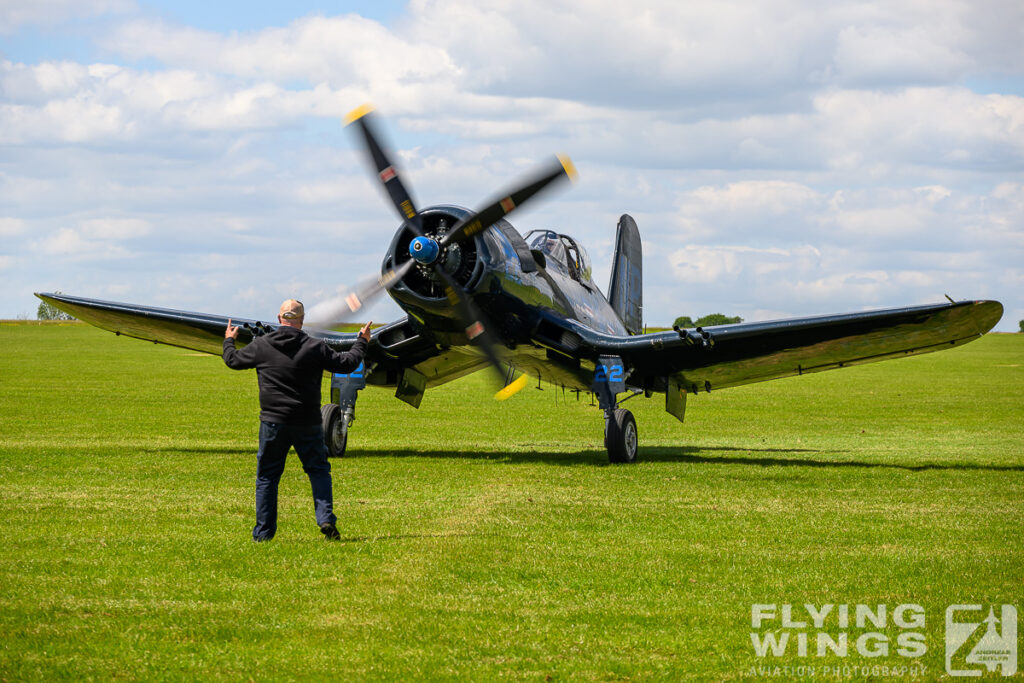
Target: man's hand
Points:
(365, 332)
(231, 332)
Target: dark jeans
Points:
(275, 440)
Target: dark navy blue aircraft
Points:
(478, 294)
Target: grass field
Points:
(486, 540)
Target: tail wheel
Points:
(620, 437)
(335, 430)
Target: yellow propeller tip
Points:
(570, 168)
(358, 113)
(512, 389)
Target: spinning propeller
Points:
(428, 252)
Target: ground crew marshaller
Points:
(290, 365)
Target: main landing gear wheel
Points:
(335, 430)
(620, 437)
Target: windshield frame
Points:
(563, 250)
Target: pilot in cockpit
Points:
(549, 243)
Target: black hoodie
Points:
(290, 366)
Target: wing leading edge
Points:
(740, 354)
(393, 349)
(185, 329)
(755, 352)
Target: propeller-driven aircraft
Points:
(478, 293)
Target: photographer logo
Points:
(977, 644)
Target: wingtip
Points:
(568, 166)
(996, 310)
(985, 314)
(358, 113)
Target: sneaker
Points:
(330, 532)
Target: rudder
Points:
(625, 290)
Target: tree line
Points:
(685, 321)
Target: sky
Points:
(782, 158)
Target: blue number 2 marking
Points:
(603, 373)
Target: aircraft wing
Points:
(394, 348)
(733, 355)
(186, 329)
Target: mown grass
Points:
(486, 540)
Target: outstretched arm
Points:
(234, 358)
(347, 361)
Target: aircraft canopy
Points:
(562, 249)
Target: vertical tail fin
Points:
(625, 291)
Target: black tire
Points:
(335, 430)
(621, 437)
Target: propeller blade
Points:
(511, 389)
(476, 323)
(386, 171)
(561, 167)
(341, 309)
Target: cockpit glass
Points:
(561, 248)
(548, 243)
(579, 257)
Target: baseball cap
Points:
(292, 309)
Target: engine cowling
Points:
(422, 286)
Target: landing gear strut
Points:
(620, 435)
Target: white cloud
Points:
(707, 264)
(114, 228)
(96, 240)
(752, 197)
(65, 242)
(868, 286)
(881, 54)
(865, 128)
(15, 13)
(105, 102)
(335, 50)
(671, 53)
(871, 248)
(788, 158)
(40, 82)
(11, 227)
